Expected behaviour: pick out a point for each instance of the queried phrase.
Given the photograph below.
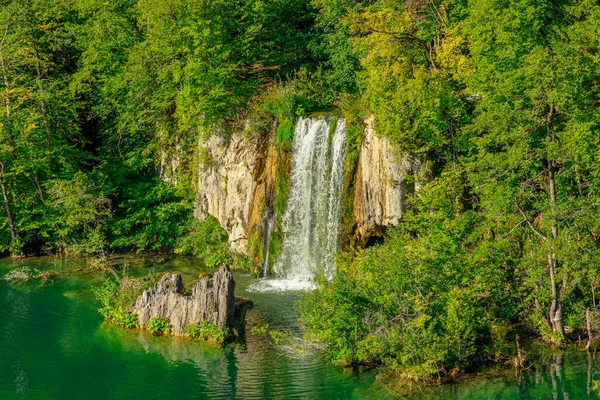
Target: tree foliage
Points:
(97, 96)
(499, 100)
(104, 104)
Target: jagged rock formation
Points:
(211, 300)
(226, 184)
(380, 186)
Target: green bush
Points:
(152, 215)
(207, 331)
(117, 297)
(280, 101)
(207, 240)
(79, 210)
(285, 133)
(159, 325)
(354, 139)
(418, 303)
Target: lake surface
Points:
(55, 345)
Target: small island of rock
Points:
(212, 300)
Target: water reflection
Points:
(55, 345)
(561, 376)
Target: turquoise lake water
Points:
(55, 345)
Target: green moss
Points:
(205, 159)
(285, 133)
(332, 126)
(256, 251)
(282, 187)
(354, 139)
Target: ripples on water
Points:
(54, 345)
(275, 285)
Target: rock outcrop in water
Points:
(212, 300)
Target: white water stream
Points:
(311, 222)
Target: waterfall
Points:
(311, 222)
(268, 230)
(335, 195)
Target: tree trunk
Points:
(9, 214)
(6, 82)
(5, 74)
(555, 315)
(588, 321)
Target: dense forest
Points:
(499, 98)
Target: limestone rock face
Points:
(169, 165)
(212, 300)
(237, 181)
(226, 184)
(380, 186)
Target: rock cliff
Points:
(381, 184)
(226, 184)
(236, 181)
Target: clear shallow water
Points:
(55, 345)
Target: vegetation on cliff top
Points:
(99, 99)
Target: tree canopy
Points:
(497, 98)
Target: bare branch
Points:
(530, 224)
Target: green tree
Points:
(39, 132)
(526, 169)
(80, 214)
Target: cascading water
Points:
(335, 192)
(268, 230)
(311, 222)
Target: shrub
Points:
(280, 101)
(416, 303)
(152, 215)
(207, 331)
(80, 211)
(116, 297)
(207, 240)
(159, 325)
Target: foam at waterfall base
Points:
(274, 284)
